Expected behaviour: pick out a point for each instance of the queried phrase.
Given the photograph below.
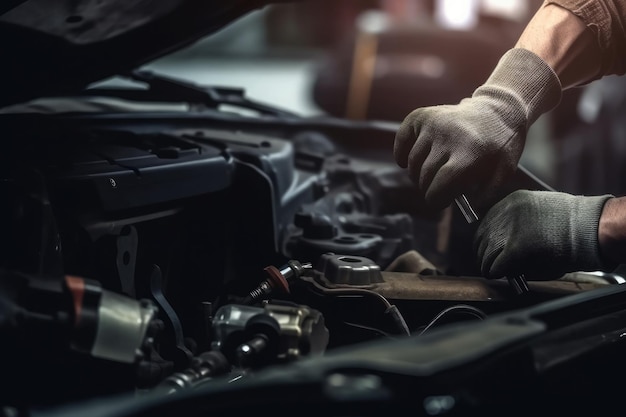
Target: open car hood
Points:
(57, 47)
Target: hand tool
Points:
(519, 282)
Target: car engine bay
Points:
(161, 251)
(181, 249)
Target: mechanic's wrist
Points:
(612, 231)
(524, 87)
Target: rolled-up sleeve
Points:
(607, 20)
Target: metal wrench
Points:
(518, 283)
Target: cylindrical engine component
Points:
(303, 331)
(108, 325)
(247, 336)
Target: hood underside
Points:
(57, 47)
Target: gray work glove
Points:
(542, 234)
(474, 146)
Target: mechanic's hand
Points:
(474, 146)
(541, 234)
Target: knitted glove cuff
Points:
(586, 217)
(524, 81)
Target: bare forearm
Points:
(565, 43)
(581, 40)
(612, 231)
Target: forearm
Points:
(565, 43)
(612, 231)
(581, 40)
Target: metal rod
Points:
(467, 210)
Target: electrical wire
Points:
(362, 292)
(350, 292)
(369, 328)
(460, 308)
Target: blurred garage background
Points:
(379, 59)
